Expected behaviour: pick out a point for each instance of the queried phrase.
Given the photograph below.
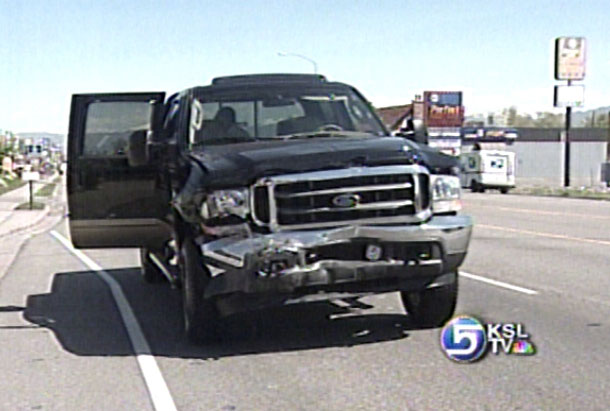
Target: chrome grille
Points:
(388, 194)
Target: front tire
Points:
(433, 307)
(200, 314)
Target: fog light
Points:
(373, 252)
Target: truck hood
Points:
(241, 164)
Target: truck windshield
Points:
(238, 116)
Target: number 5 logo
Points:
(463, 339)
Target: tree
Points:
(548, 120)
(523, 120)
(601, 120)
(511, 115)
(542, 119)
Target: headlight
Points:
(222, 203)
(446, 193)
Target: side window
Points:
(109, 125)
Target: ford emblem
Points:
(346, 200)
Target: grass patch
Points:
(46, 190)
(11, 185)
(26, 206)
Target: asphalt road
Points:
(64, 343)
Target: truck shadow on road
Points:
(81, 312)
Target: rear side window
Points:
(109, 125)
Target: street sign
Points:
(30, 176)
(569, 96)
(570, 58)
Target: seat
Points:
(224, 127)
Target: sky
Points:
(499, 53)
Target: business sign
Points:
(569, 96)
(489, 134)
(30, 176)
(570, 58)
(443, 98)
(443, 108)
(450, 132)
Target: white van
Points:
(482, 169)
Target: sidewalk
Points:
(17, 226)
(11, 219)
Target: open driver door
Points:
(113, 200)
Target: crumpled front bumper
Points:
(298, 266)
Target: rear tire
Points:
(474, 186)
(504, 190)
(150, 272)
(200, 314)
(431, 307)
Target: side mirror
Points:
(136, 154)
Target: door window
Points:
(109, 125)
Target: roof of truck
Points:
(281, 80)
(269, 78)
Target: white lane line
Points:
(541, 234)
(542, 212)
(340, 304)
(498, 283)
(157, 388)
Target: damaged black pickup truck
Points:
(264, 190)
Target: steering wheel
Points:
(330, 127)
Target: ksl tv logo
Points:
(466, 339)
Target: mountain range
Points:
(585, 118)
